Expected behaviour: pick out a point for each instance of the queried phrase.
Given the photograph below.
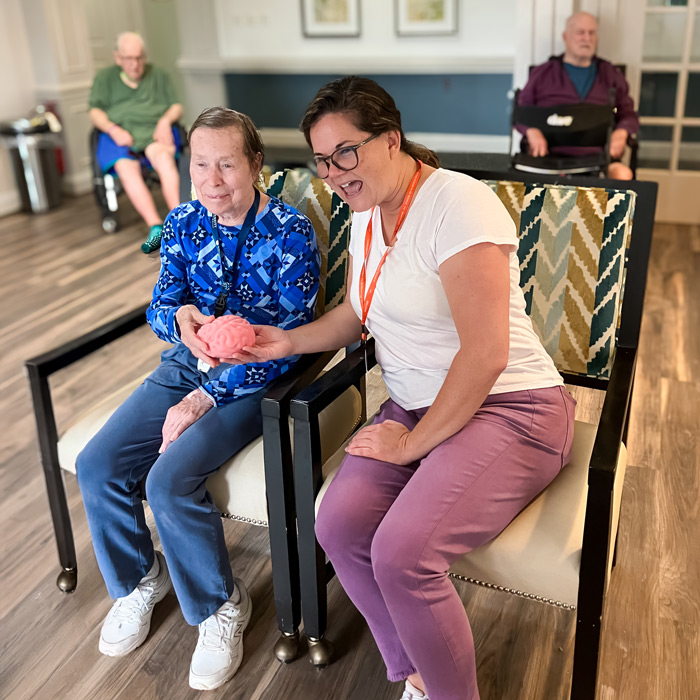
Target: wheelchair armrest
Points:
(321, 393)
(613, 419)
(68, 353)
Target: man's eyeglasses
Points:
(344, 158)
(132, 59)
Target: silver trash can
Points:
(32, 146)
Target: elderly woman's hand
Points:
(191, 319)
(182, 415)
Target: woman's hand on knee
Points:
(190, 319)
(182, 415)
(387, 441)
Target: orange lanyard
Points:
(365, 301)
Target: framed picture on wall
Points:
(426, 17)
(330, 18)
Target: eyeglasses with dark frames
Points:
(344, 158)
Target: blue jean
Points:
(393, 531)
(112, 465)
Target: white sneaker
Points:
(412, 693)
(219, 650)
(127, 623)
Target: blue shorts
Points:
(108, 153)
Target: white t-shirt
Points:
(409, 318)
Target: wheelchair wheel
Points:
(109, 224)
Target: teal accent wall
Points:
(447, 103)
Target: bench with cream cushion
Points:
(583, 251)
(254, 486)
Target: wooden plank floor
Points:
(61, 275)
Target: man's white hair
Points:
(570, 20)
(124, 36)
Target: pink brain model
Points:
(226, 335)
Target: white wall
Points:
(220, 36)
(270, 34)
(17, 95)
(226, 36)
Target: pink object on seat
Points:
(226, 335)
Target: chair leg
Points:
(48, 440)
(312, 560)
(585, 670)
(67, 580)
(279, 477)
(592, 584)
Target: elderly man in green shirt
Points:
(133, 104)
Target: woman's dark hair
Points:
(223, 118)
(370, 107)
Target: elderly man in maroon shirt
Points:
(580, 76)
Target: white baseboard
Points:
(447, 143)
(77, 183)
(9, 202)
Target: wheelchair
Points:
(107, 187)
(579, 124)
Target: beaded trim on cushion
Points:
(572, 267)
(241, 519)
(521, 594)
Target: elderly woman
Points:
(231, 251)
(477, 422)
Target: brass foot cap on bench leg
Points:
(287, 647)
(320, 652)
(67, 580)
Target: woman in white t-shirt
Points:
(478, 421)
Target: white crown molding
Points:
(448, 143)
(360, 64)
(9, 202)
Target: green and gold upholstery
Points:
(572, 248)
(330, 217)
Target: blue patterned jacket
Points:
(275, 282)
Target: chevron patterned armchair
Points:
(583, 251)
(255, 485)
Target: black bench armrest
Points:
(321, 393)
(613, 419)
(68, 353)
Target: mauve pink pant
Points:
(392, 531)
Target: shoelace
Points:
(218, 628)
(129, 608)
